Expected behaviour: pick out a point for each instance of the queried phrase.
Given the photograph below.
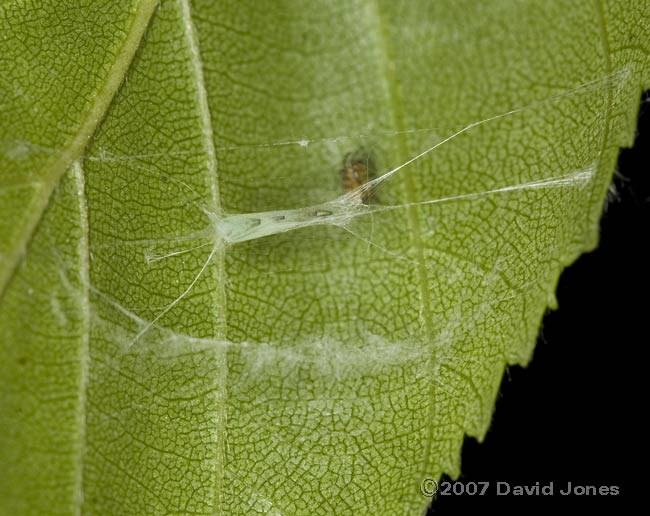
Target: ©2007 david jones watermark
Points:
(429, 487)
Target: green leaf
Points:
(159, 356)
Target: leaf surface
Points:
(148, 366)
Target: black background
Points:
(575, 413)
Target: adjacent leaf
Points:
(150, 366)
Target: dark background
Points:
(575, 413)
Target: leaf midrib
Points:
(218, 291)
(397, 114)
(84, 354)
